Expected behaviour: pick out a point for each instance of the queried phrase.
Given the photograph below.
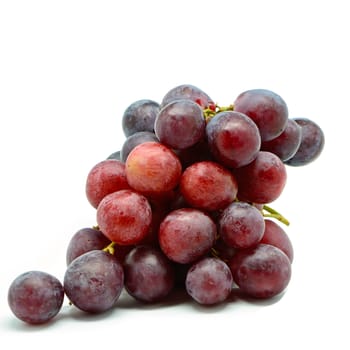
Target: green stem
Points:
(272, 213)
(110, 248)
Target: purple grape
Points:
(93, 281)
(241, 225)
(312, 143)
(35, 297)
(149, 275)
(285, 145)
(267, 109)
(115, 155)
(85, 240)
(140, 116)
(233, 139)
(136, 139)
(261, 272)
(180, 124)
(209, 281)
(188, 92)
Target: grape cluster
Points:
(185, 203)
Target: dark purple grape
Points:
(312, 143)
(180, 124)
(186, 234)
(189, 92)
(241, 225)
(93, 281)
(285, 145)
(276, 236)
(233, 139)
(114, 155)
(35, 297)
(85, 240)
(209, 281)
(263, 180)
(267, 109)
(136, 139)
(140, 116)
(149, 275)
(261, 272)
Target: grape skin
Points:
(209, 281)
(140, 116)
(93, 282)
(149, 275)
(125, 217)
(262, 271)
(208, 185)
(312, 143)
(180, 124)
(104, 178)
(186, 235)
(35, 297)
(83, 241)
(233, 139)
(266, 108)
(241, 225)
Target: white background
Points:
(68, 70)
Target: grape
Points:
(262, 271)
(85, 240)
(285, 145)
(208, 185)
(209, 281)
(124, 217)
(140, 116)
(35, 297)
(186, 235)
(263, 180)
(149, 275)
(312, 143)
(115, 155)
(233, 138)
(93, 281)
(241, 225)
(153, 169)
(267, 109)
(180, 124)
(276, 236)
(104, 178)
(136, 139)
(190, 92)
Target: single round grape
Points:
(241, 225)
(136, 139)
(125, 217)
(233, 138)
(312, 143)
(149, 275)
(285, 145)
(93, 281)
(263, 180)
(35, 297)
(180, 124)
(261, 272)
(276, 236)
(83, 241)
(153, 169)
(208, 185)
(266, 108)
(140, 116)
(186, 234)
(209, 281)
(190, 92)
(104, 178)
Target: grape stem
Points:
(272, 213)
(209, 113)
(110, 248)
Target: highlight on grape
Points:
(184, 204)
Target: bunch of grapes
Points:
(184, 204)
